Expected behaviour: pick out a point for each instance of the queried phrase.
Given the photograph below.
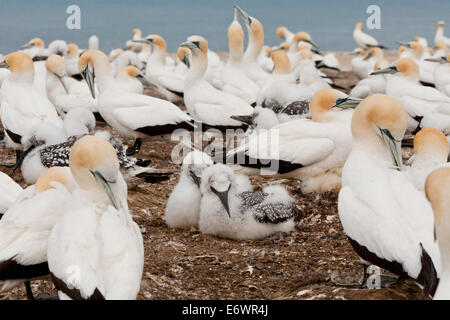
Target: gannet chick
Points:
(431, 150)
(228, 211)
(64, 92)
(373, 84)
(22, 105)
(93, 42)
(404, 85)
(26, 226)
(255, 44)
(310, 150)
(169, 83)
(440, 37)
(392, 227)
(437, 188)
(363, 39)
(96, 233)
(234, 80)
(204, 102)
(132, 115)
(9, 192)
(183, 206)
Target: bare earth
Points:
(183, 264)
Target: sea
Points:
(329, 22)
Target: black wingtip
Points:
(428, 275)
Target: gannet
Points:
(285, 34)
(230, 210)
(71, 61)
(183, 207)
(363, 39)
(9, 192)
(132, 80)
(35, 48)
(96, 234)
(234, 80)
(300, 41)
(388, 221)
(254, 47)
(373, 84)
(440, 37)
(64, 92)
(404, 85)
(204, 102)
(25, 229)
(431, 150)
(132, 115)
(359, 65)
(22, 105)
(310, 150)
(93, 42)
(437, 188)
(441, 74)
(264, 59)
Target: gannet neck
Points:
(235, 42)
(256, 40)
(21, 66)
(198, 67)
(158, 56)
(281, 62)
(101, 66)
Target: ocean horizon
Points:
(329, 22)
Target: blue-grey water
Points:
(330, 22)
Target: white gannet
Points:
(132, 115)
(58, 47)
(441, 73)
(284, 33)
(388, 221)
(71, 61)
(440, 37)
(22, 105)
(169, 83)
(255, 44)
(234, 80)
(230, 210)
(404, 85)
(35, 48)
(419, 55)
(183, 63)
(310, 150)
(9, 191)
(282, 71)
(301, 40)
(25, 229)
(64, 92)
(96, 235)
(204, 102)
(359, 65)
(93, 42)
(134, 44)
(264, 59)
(437, 188)
(431, 150)
(132, 80)
(363, 39)
(372, 84)
(183, 206)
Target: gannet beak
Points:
(244, 119)
(89, 77)
(197, 180)
(142, 41)
(245, 17)
(316, 51)
(312, 43)
(277, 48)
(185, 60)
(223, 196)
(438, 60)
(22, 158)
(367, 57)
(61, 79)
(3, 65)
(403, 44)
(395, 147)
(347, 103)
(388, 70)
(27, 45)
(189, 44)
(102, 181)
(145, 81)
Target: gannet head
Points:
(359, 51)
(156, 41)
(235, 38)
(94, 166)
(433, 142)
(197, 45)
(114, 54)
(253, 24)
(281, 62)
(137, 32)
(217, 179)
(325, 99)
(52, 176)
(381, 118)
(72, 50)
(305, 37)
(183, 54)
(133, 72)
(281, 32)
(374, 52)
(90, 63)
(20, 65)
(35, 42)
(402, 49)
(442, 60)
(405, 66)
(359, 26)
(416, 48)
(437, 188)
(441, 24)
(194, 163)
(55, 65)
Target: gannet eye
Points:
(197, 43)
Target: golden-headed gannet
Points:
(440, 37)
(363, 39)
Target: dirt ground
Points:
(181, 264)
